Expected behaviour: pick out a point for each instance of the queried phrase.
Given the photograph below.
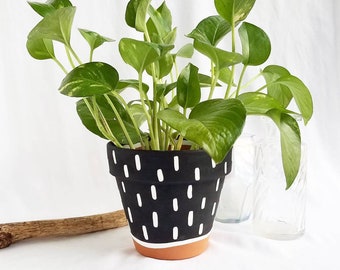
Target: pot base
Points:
(180, 252)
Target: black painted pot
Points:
(169, 197)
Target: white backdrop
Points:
(52, 167)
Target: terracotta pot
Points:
(169, 197)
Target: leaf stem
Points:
(128, 111)
(120, 121)
(60, 65)
(233, 49)
(107, 133)
(240, 80)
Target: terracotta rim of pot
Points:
(178, 252)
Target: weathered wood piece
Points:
(13, 232)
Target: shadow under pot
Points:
(170, 198)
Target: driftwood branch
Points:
(14, 232)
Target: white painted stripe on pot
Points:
(189, 192)
(190, 218)
(225, 167)
(153, 192)
(200, 229)
(137, 162)
(126, 171)
(155, 219)
(130, 215)
(139, 200)
(114, 157)
(213, 163)
(204, 199)
(175, 204)
(176, 163)
(175, 233)
(145, 232)
(160, 175)
(171, 244)
(217, 184)
(123, 187)
(197, 174)
(213, 209)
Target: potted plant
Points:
(172, 139)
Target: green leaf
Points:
(300, 93)
(205, 80)
(141, 14)
(278, 91)
(94, 78)
(160, 25)
(57, 4)
(220, 58)
(256, 45)
(234, 10)
(225, 75)
(45, 8)
(188, 87)
(138, 54)
(94, 39)
(186, 51)
(122, 84)
(55, 26)
(131, 13)
(162, 66)
(290, 144)
(40, 49)
(260, 103)
(135, 14)
(210, 30)
(41, 8)
(214, 125)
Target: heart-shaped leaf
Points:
(290, 144)
(300, 93)
(55, 26)
(214, 125)
(138, 54)
(256, 45)
(94, 78)
(210, 30)
(234, 10)
(188, 87)
(278, 91)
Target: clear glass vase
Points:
(278, 213)
(236, 197)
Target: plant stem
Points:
(120, 121)
(69, 57)
(214, 78)
(233, 49)
(240, 80)
(75, 55)
(143, 97)
(251, 81)
(60, 65)
(109, 135)
(128, 111)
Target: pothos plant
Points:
(171, 103)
